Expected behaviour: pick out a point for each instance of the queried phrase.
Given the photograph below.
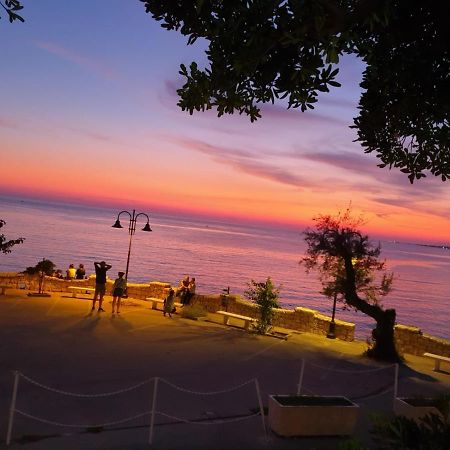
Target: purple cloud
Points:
(243, 161)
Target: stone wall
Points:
(51, 284)
(408, 339)
(299, 319)
(412, 340)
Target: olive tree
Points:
(349, 267)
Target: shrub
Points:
(265, 295)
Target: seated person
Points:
(183, 289)
(190, 292)
(80, 273)
(71, 272)
(58, 273)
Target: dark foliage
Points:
(5, 246)
(260, 51)
(11, 7)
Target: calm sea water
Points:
(219, 254)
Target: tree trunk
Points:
(383, 336)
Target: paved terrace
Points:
(57, 342)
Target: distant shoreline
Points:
(444, 247)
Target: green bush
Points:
(193, 312)
(265, 295)
(401, 433)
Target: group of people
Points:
(185, 291)
(71, 273)
(118, 290)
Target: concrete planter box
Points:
(306, 415)
(415, 408)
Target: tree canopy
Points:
(263, 50)
(6, 245)
(11, 7)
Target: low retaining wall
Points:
(299, 319)
(412, 340)
(51, 284)
(408, 339)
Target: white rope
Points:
(351, 371)
(60, 424)
(367, 397)
(211, 422)
(224, 391)
(73, 394)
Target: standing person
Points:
(81, 272)
(71, 272)
(120, 284)
(191, 291)
(100, 283)
(168, 303)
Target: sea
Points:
(220, 255)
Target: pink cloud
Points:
(80, 60)
(6, 122)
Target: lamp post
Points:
(332, 329)
(131, 230)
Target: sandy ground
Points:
(59, 343)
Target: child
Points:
(168, 303)
(120, 284)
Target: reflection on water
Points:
(219, 255)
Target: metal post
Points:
(12, 407)
(332, 329)
(153, 411)
(131, 230)
(261, 408)
(300, 380)
(128, 258)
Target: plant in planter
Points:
(312, 415)
(265, 295)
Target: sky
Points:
(88, 114)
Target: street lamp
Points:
(332, 329)
(131, 230)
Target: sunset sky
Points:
(88, 114)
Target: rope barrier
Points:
(213, 421)
(68, 425)
(73, 394)
(369, 396)
(224, 391)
